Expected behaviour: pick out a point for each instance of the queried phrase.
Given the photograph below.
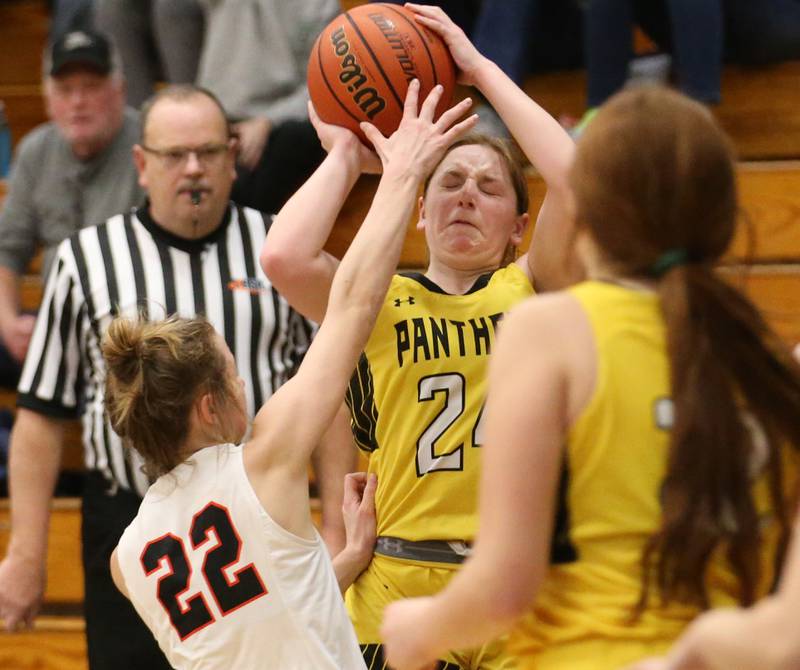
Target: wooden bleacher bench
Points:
(57, 641)
(760, 107)
(769, 194)
(54, 644)
(23, 34)
(770, 199)
(64, 593)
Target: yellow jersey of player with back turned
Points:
(417, 398)
(609, 506)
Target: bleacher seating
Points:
(760, 110)
(57, 640)
(23, 33)
(759, 107)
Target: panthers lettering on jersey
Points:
(417, 397)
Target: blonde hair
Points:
(156, 372)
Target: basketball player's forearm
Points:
(9, 294)
(357, 293)
(34, 462)
(302, 226)
(451, 618)
(332, 459)
(363, 277)
(293, 255)
(546, 144)
(348, 565)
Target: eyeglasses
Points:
(175, 157)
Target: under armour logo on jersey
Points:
(398, 302)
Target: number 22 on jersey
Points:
(190, 614)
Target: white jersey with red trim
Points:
(221, 585)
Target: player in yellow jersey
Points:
(418, 392)
(641, 427)
(762, 637)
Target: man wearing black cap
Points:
(72, 172)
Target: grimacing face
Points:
(86, 107)
(469, 211)
(173, 127)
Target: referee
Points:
(188, 251)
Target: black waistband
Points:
(431, 551)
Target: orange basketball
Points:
(363, 61)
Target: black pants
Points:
(117, 638)
(292, 153)
(9, 370)
(690, 29)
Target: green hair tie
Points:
(668, 260)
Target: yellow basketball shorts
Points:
(388, 579)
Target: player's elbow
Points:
(279, 265)
(514, 591)
(509, 604)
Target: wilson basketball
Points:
(362, 62)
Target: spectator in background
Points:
(159, 40)
(69, 15)
(692, 30)
(526, 37)
(757, 33)
(73, 171)
(521, 37)
(255, 56)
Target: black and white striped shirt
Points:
(130, 264)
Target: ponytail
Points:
(729, 372)
(665, 209)
(155, 372)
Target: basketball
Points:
(362, 62)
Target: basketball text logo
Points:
(398, 44)
(366, 98)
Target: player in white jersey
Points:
(223, 562)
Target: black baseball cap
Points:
(82, 47)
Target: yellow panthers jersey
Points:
(417, 398)
(616, 457)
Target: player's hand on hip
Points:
(21, 592)
(358, 510)
(331, 136)
(419, 141)
(467, 58)
(403, 635)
